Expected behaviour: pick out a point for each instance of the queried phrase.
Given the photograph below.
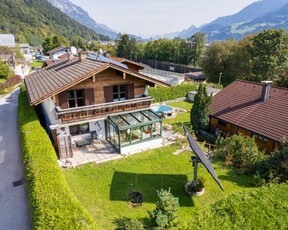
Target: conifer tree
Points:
(199, 115)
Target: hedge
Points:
(52, 203)
(166, 94)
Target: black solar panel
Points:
(203, 158)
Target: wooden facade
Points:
(104, 79)
(98, 97)
(227, 129)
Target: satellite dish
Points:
(73, 50)
(200, 158)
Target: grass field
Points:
(36, 64)
(103, 189)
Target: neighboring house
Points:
(83, 97)
(210, 92)
(197, 77)
(8, 59)
(9, 41)
(258, 110)
(136, 66)
(57, 52)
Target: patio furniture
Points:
(84, 142)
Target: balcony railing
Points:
(101, 110)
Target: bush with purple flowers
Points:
(10, 83)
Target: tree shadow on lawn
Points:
(123, 183)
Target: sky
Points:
(146, 18)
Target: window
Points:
(75, 98)
(119, 93)
(260, 138)
(79, 129)
(222, 123)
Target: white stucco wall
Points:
(57, 54)
(143, 146)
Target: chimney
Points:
(265, 90)
(70, 56)
(107, 54)
(82, 56)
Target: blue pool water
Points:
(159, 109)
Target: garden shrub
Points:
(5, 71)
(165, 214)
(10, 83)
(275, 168)
(258, 208)
(133, 224)
(52, 203)
(166, 94)
(239, 151)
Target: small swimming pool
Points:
(160, 109)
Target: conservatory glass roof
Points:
(135, 119)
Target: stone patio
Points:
(102, 151)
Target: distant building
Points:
(57, 52)
(210, 92)
(8, 40)
(197, 77)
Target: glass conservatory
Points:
(133, 128)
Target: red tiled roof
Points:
(239, 104)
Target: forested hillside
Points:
(33, 20)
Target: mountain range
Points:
(81, 16)
(31, 21)
(260, 15)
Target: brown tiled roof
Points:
(239, 103)
(123, 60)
(56, 49)
(62, 75)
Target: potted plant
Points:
(195, 190)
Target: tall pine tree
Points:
(199, 115)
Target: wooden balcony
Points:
(101, 110)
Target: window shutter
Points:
(63, 102)
(129, 91)
(89, 96)
(108, 93)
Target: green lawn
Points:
(36, 64)
(103, 189)
(182, 117)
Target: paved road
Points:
(14, 208)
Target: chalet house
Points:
(58, 51)
(259, 110)
(85, 98)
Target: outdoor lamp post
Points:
(131, 55)
(220, 74)
(155, 64)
